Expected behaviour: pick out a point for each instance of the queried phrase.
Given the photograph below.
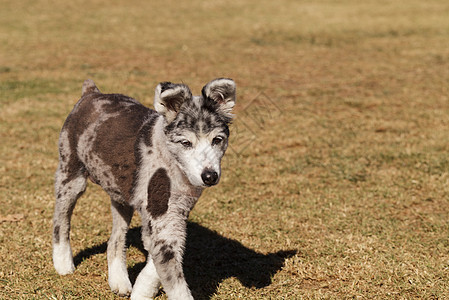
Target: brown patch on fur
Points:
(158, 193)
(115, 142)
(167, 256)
(78, 120)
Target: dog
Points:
(157, 162)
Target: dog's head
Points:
(197, 126)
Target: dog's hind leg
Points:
(118, 274)
(70, 184)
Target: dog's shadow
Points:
(209, 259)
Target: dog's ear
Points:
(221, 91)
(169, 97)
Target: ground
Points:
(336, 182)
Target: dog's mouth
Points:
(194, 181)
(209, 177)
(207, 180)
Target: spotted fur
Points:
(154, 161)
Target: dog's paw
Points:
(62, 259)
(145, 289)
(122, 288)
(139, 296)
(119, 293)
(64, 268)
(147, 283)
(118, 278)
(120, 285)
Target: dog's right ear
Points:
(169, 97)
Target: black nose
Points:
(209, 177)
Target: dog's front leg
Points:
(164, 238)
(167, 255)
(148, 282)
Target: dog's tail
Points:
(89, 87)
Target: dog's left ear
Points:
(169, 97)
(221, 91)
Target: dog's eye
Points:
(217, 140)
(186, 143)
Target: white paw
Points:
(180, 292)
(147, 283)
(118, 278)
(62, 259)
(120, 286)
(137, 296)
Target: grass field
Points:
(336, 183)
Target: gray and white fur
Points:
(156, 162)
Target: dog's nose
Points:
(209, 177)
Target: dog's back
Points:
(99, 139)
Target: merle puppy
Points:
(156, 162)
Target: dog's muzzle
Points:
(209, 177)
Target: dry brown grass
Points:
(337, 183)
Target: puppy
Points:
(154, 161)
